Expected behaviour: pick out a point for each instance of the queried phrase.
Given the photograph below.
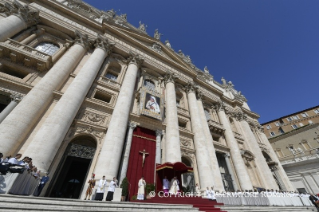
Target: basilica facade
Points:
(83, 91)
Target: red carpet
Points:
(197, 202)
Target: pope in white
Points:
(141, 189)
(174, 186)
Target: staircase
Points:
(197, 202)
(11, 203)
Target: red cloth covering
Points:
(142, 139)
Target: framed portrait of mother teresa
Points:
(151, 103)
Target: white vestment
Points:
(212, 194)
(101, 186)
(153, 106)
(208, 194)
(13, 161)
(141, 189)
(165, 184)
(112, 186)
(174, 187)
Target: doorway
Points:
(69, 178)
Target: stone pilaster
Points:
(127, 151)
(173, 150)
(217, 178)
(231, 171)
(49, 137)
(202, 155)
(15, 99)
(19, 17)
(110, 155)
(27, 113)
(240, 167)
(158, 146)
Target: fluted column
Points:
(49, 137)
(27, 113)
(231, 172)
(21, 17)
(262, 166)
(202, 155)
(127, 151)
(235, 152)
(273, 155)
(158, 146)
(15, 99)
(173, 149)
(217, 178)
(110, 155)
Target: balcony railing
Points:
(26, 55)
(215, 126)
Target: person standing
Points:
(165, 185)
(141, 189)
(90, 188)
(111, 189)
(208, 194)
(197, 190)
(212, 193)
(315, 201)
(43, 181)
(100, 189)
(174, 186)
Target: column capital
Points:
(159, 133)
(191, 87)
(226, 155)
(218, 106)
(16, 97)
(27, 14)
(82, 39)
(240, 116)
(132, 125)
(199, 95)
(135, 59)
(170, 77)
(103, 44)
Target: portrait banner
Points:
(151, 103)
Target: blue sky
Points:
(269, 49)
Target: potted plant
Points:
(149, 187)
(124, 186)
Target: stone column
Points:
(17, 125)
(235, 152)
(217, 178)
(262, 166)
(158, 146)
(274, 157)
(127, 151)
(33, 36)
(21, 17)
(173, 149)
(15, 99)
(49, 137)
(21, 36)
(110, 155)
(231, 172)
(202, 155)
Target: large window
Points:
(149, 84)
(111, 76)
(47, 48)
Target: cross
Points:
(144, 153)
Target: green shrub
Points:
(124, 186)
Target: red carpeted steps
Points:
(197, 202)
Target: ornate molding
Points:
(80, 151)
(218, 106)
(135, 59)
(29, 15)
(170, 77)
(103, 44)
(132, 125)
(16, 97)
(191, 87)
(82, 39)
(94, 118)
(89, 130)
(157, 47)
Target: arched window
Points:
(47, 48)
(149, 84)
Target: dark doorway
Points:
(226, 177)
(71, 179)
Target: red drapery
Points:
(142, 139)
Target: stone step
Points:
(26, 203)
(266, 209)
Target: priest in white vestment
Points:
(101, 189)
(212, 193)
(197, 190)
(141, 189)
(207, 193)
(165, 185)
(174, 186)
(111, 190)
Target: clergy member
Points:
(141, 189)
(174, 186)
(100, 189)
(197, 190)
(111, 189)
(90, 188)
(165, 185)
(212, 193)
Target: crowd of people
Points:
(23, 178)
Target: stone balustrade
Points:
(30, 57)
(182, 111)
(110, 83)
(215, 127)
